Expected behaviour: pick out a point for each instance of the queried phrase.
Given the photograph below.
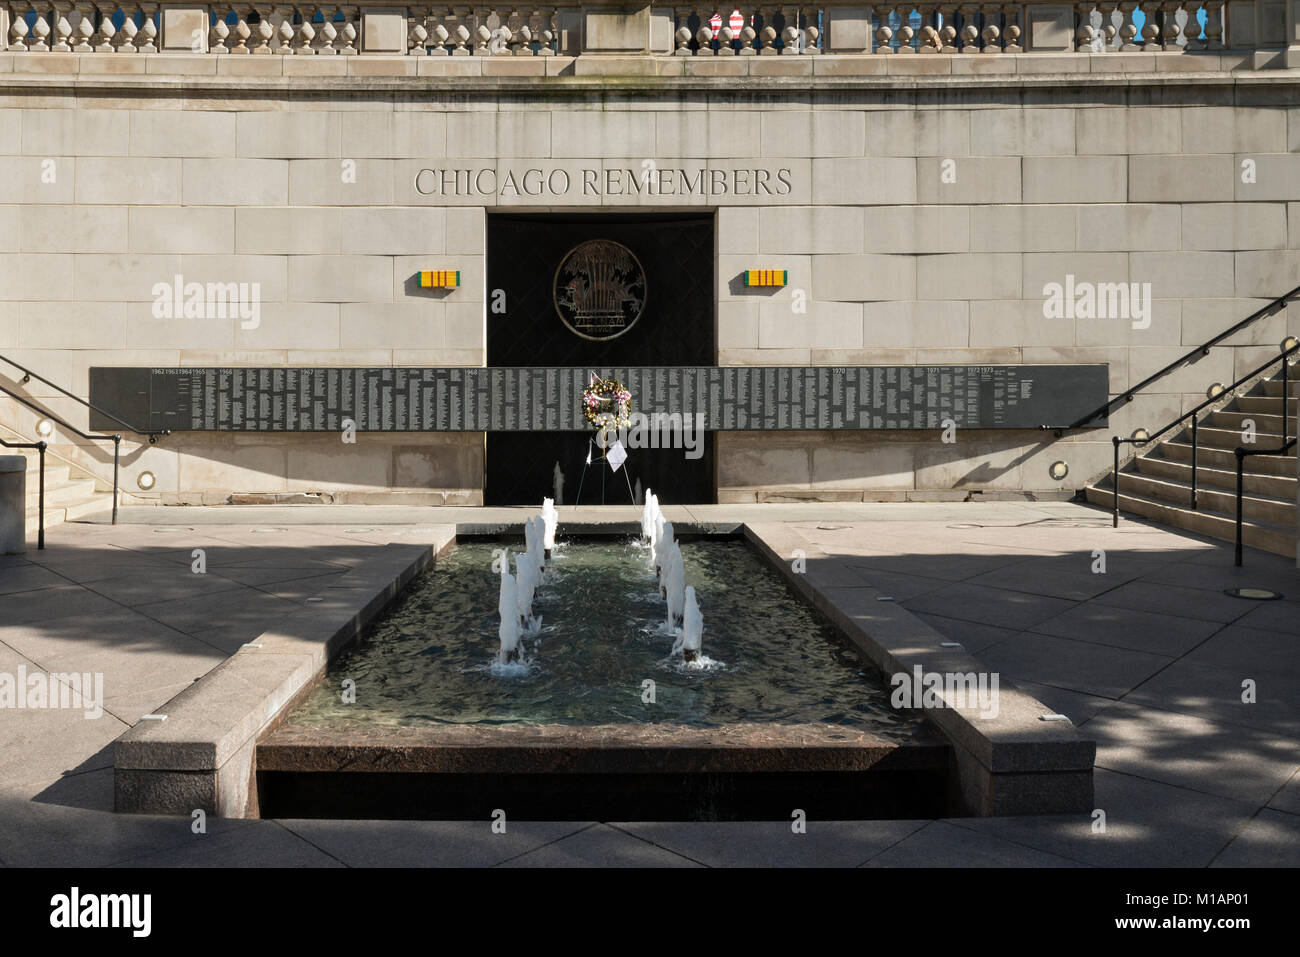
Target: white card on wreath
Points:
(616, 455)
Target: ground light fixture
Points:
(1253, 594)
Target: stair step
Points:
(1181, 450)
(1267, 404)
(1273, 486)
(1217, 437)
(1274, 386)
(1264, 422)
(1277, 539)
(1170, 492)
(69, 492)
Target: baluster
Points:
(85, 28)
(747, 36)
(348, 32)
(992, 32)
(326, 34)
(417, 32)
(285, 32)
(970, 31)
(241, 31)
(929, 42)
(550, 33)
(1169, 24)
(62, 27)
(947, 32)
(884, 32)
(219, 32)
(148, 33)
(128, 30)
(1128, 30)
(1192, 28)
(683, 38)
(40, 31)
(263, 31)
(705, 37)
(106, 29)
(811, 34)
(1012, 32)
(725, 36)
(905, 30)
(1085, 34)
(1213, 24)
(1150, 29)
(1107, 32)
(790, 31)
(17, 30)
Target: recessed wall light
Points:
(1140, 435)
(45, 428)
(1214, 390)
(1058, 470)
(146, 480)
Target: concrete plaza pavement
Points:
(1149, 657)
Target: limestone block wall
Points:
(920, 221)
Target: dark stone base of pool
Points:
(607, 772)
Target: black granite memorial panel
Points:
(548, 399)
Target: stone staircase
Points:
(68, 497)
(1157, 484)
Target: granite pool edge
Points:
(1010, 763)
(202, 755)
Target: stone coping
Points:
(998, 756)
(579, 749)
(612, 74)
(201, 754)
(205, 752)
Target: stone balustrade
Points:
(776, 29)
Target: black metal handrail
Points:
(28, 375)
(116, 438)
(1277, 305)
(1241, 453)
(1117, 441)
(40, 502)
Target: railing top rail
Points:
(50, 415)
(1227, 391)
(76, 398)
(1204, 349)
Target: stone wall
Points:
(922, 221)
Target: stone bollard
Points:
(13, 504)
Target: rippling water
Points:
(769, 658)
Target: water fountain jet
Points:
(690, 639)
(508, 608)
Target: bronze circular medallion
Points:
(600, 289)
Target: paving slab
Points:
(1175, 600)
(1270, 840)
(1148, 824)
(429, 843)
(990, 606)
(1165, 635)
(973, 635)
(942, 844)
(774, 843)
(1192, 752)
(247, 844)
(600, 846)
(1288, 797)
(1074, 665)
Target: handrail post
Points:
(117, 448)
(1194, 424)
(1114, 481)
(1286, 399)
(40, 500)
(1241, 459)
